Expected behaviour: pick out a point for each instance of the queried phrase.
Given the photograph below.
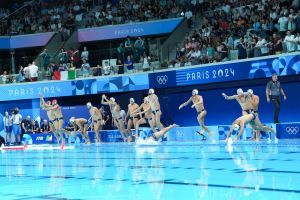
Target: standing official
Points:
(273, 92)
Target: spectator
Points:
(275, 44)
(32, 72)
(210, 53)
(7, 122)
(260, 47)
(62, 67)
(282, 22)
(85, 68)
(16, 127)
(74, 57)
(242, 51)
(146, 62)
(45, 128)
(121, 66)
(297, 41)
(120, 52)
(4, 77)
(297, 22)
(97, 71)
(63, 56)
(85, 54)
(21, 77)
(179, 53)
(129, 64)
(106, 68)
(139, 45)
(46, 59)
(291, 25)
(289, 40)
(128, 47)
(189, 16)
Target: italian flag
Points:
(65, 75)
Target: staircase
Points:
(53, 45)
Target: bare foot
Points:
(129, 139)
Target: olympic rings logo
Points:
(292, 130)
(179, 133)
(162, 79)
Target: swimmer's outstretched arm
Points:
(229, 97)
(43, 103)
(144, 111)
(104, 100)
(138, 109)
(185, 103)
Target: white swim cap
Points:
(131, 100)
(112, 99)
(250, 91)
(151, 91)
(72, 119)
(239, 91)
(89, 104)
(146, 99)
(194, 92)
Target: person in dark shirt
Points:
(24, 126)
(107, 119)
(45, 128)
(242, 52)
(273, 92)
(33, 127)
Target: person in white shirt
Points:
(85, 54)
(261, 46)
(146, 62)
(85, 67)
(297, 41)
(282, 22)
(31, 72)
(289, 40)
(106, 68)
(7, 121)
(189, 16)
(16, 125)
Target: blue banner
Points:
(122, 31)
(38, 138)
(25, 41)
(282, 65)
(288, 130)
(74, 88)
(32, 90)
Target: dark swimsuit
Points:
(154, 112)
(96, 121)
(132, 118)
(118, 119)
(248, 111)
(201, 111)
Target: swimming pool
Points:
(174, 170)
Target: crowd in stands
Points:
(64, 15)
(229, 30)
(253, 28)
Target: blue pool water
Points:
(168, 171)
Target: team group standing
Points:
(149, 112)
